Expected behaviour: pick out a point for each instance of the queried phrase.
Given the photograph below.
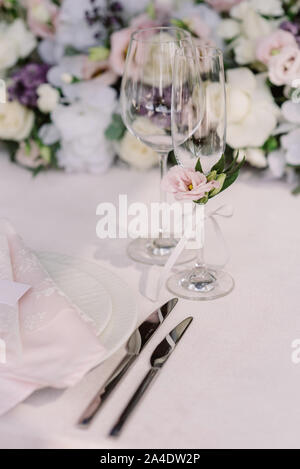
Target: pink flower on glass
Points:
(187, 184)
(270, 46)
(42, 17)
(284, 68)
(222, 5)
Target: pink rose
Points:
(42, 17)
(143, 21)
(29, 159)
(222, 5)
(187, 184)
(270, 46)
(285, 67)
(99, 70)
(198, 27)
(119, 42)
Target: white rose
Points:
(16, 121)
(16, 41)
(252, 27)
(268, 7)
(48, 98)
(40, 13)
(135, 152)
(229, 28)
(244, 50)
(254, 156)
(251, 111)
(82, 125)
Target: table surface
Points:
(231, 383)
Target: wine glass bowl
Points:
(146, 99)
(198, 123)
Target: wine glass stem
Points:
(163, 159)
(200, 262)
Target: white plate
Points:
(123, 313)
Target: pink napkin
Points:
(50, 342)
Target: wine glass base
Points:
(219, 284)
(157, 252)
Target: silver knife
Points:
(135, 345)
(157, 360)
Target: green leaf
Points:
(116, 128)
(270, 145)
(229, 180)
(232, 164)
(236, 167)
(296, 191)
(179, 24)
(98, 53)
(220, 165)
(198, 166)
(221, 179)
(150, 10)
(212, 176)
(202, 201)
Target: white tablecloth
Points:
(231, 383)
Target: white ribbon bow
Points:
(224, 211)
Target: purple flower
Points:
(290, 27)
(25, 83)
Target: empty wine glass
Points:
(146, 93)
(199, 132)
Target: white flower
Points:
(16, 121)
(290, 142)
(254, 156)
(67, 69)
(229, 28)
(252, 27)
(277, 163)
(82, 125)
(251, 111)
(134, 7)
(73, 29)
(207, 15)
(135, 152)
(48, 98)
(49, 134)
(16, 42)
(244, 51)
(268, 7)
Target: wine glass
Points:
(199, 133)
(146, 93)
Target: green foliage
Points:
(116, 128)
(225, 176)
(270, 145)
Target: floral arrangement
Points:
(193, 184)
(61, 62)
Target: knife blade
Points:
(158, 359)
(135, 344)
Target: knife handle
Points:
(115, 431)
(109, 385)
